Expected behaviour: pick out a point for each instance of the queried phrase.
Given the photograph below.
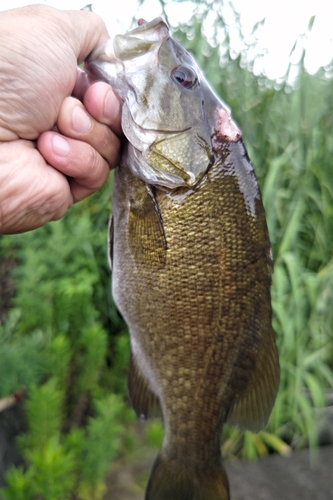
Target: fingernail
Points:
(81, 122)
(111, 106)
(61, 147)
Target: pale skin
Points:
(54, 149)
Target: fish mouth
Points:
(154, 31)
(104, 52)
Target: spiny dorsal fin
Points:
(145, 403)
(252, 410)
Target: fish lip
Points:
(102, 53)
(159, 32)
(162, 33)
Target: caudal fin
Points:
(170, 480)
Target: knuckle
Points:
(104, 139)
(107, 145)
(92, 159)
(95, 167)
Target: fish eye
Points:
(185, 76)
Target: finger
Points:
(76, 123)
(104, 105)
(32, 192)
(75, 159)
(83, 82)
(100, 100)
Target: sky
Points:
(285, 20)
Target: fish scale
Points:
(191, 264)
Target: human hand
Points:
(37, 183)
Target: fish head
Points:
(173, 120)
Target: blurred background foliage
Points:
(63, 341)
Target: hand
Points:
(39, 50)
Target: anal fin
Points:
(251, 411)
(145, 403)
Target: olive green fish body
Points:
(191, 267)
(192, 281)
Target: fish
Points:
(191, 261)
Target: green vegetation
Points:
(64, 342)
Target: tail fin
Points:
(170, 480)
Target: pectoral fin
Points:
(146, 233)
(145, 403)
(253, 408)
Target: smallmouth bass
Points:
(191, 261)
